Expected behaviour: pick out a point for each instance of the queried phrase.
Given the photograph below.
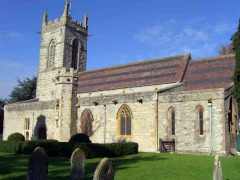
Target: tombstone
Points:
(217, 169)
(77, 164)
(38, 165)
(104, 170)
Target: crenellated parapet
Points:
(64, 20)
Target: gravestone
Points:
(104, 170)
(217, 169)
(38, 165)
(77, 164)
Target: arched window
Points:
(27, 128)
(200, 119)
(75, 50)
(86, 122)
(124, 119)
(171, 118)
(51, 54)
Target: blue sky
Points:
(121, 31)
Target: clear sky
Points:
(121, 31)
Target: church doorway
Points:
(86, 121)
(40, 131)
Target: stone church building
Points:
(175, 99)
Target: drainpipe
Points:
(32, 126)
(105, 122)
(210, 124)
(157, 136)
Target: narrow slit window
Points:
(200, 119)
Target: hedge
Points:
(65, 149)
(10, 147)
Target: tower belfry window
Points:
(51, 54)
(75, 54)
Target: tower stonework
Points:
(63, 46)
(63, 53)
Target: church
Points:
(174, 99)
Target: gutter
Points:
(105, 123)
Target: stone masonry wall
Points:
(15, 115)
(46, 75)
(105, 126)
(188, 138)
(144, 118)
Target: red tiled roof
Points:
(161, 71)
(210, 73)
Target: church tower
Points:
(63, 54)
(63, 47)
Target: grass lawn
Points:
(143, 166)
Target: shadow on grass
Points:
(15, 167)
(120, 163)
(129, 161)
(12, 167)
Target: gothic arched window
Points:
(86, 122)
(200, 119)
(51, 54)
(27, 128)
(171, 118)
(124, 117)
(75, 52)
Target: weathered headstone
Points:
(217, 169)
(104, 170)
(38, 165)
(77, 164)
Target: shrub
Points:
(79, 138)
(108, 150)
(65, 149)
(52, 148)
(16, 137)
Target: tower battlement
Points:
(64, 20)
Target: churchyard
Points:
(71, 123)
(139, 166)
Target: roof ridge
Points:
(169, 58)
(215, 58)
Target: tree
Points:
(2, 102)
(236, 78)
(226, 49)
(25, 90)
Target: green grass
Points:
(150, 166)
